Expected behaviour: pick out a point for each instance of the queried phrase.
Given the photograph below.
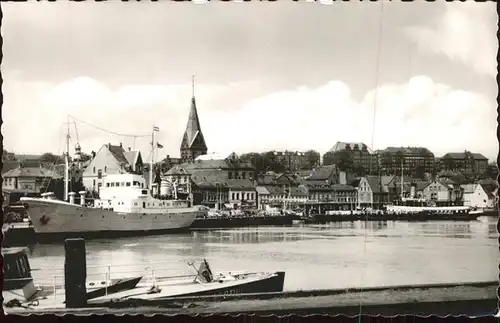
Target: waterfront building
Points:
(364, 192)
(344, 197)
(464, 162)
(219, 181)
(111, 159)
(329, 174)
(35, 179)
(443, 192)
(176, 179)
(412, 159)
(360, 153)
(193, 142)
(475, 195)
(280, 196)
(379, 186)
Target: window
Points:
(128, 184)
(107, 184)
(112, 184)
(93, 170)
(93, 182)
(105, 169)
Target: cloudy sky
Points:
(278, 75)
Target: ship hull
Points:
(52, 217)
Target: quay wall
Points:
(473, 299)
(20, 234)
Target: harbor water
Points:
(331, 256)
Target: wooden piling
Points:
(75, 273)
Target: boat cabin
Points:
(123, 185)
(128, 193)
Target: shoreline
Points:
(21, 234)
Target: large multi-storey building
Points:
(465, 162)
(292, 160)
(410, 159)
(360, 153)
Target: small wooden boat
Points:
(205, 283)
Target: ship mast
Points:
(402, 182)
(66, 165)
(155, 128)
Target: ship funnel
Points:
(72, 197)
(82, 197)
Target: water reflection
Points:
(350, 254)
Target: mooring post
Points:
(75, 273)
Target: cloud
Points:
(419, 112)
(466, 31)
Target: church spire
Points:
(192, 83)
(193, 142)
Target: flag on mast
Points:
(155, 128)
(158, 145)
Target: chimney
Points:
(129, 148)
(121, 146)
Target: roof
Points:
(177, 170)
(318, 185)
(420, 184)
(131, 156)
(214, 178)
(193, 135)
(377, 184)
(118, 152)
(469, 188)
(490, 189)
(304, 173)
(9, 164)
(15, 190)
(262, 190)
(339, 146)
(463, 155)
(342, 187)
(31, 172)
(322, 172)
(217, 164)
(280, 190)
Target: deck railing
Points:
(150, 272)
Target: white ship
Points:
(125, 207)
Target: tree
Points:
(50, 158)
(491, 171)
(419, 172)
(447, 162)
(313, 159)
(329, 158)
(344, 160)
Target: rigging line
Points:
(76, 131)
(108, 131)
(375, 98)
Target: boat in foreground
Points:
(204, 283)
(21, 293)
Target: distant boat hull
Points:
(51, 217)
